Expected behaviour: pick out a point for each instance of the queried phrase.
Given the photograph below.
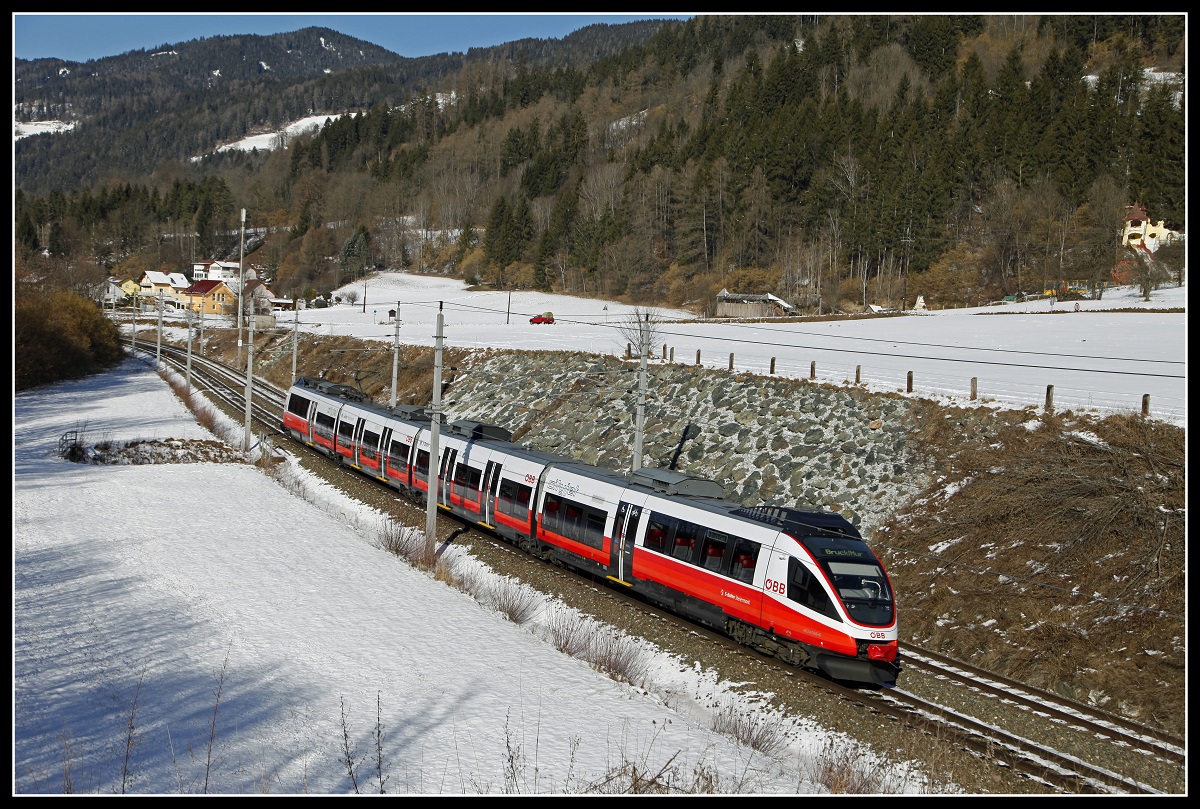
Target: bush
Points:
(59, 335)
(754, 729)
(515, 601)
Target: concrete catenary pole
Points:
(158, 351)
(249, 387)
(435, 430)
(395, 357)
(188, 374)
(640, 424)
(241, 284)
(295, 339)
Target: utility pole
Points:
(295, 338)
(188, 376)
(158, 352)
(395, 357)
(241, 296)
(249, 386)
(640, 424)
(435, 430)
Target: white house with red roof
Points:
(228, 271)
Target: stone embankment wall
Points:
(766, 439)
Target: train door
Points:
(370, 455)
(491, 484)
(356, 443)
(385, 457)
(625, 530)
(344, 439)
(446, 476)
(324, 427)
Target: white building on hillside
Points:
(227, 271)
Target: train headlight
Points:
(878, 651)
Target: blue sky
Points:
(80, 37)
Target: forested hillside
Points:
(834, 161)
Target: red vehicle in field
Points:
(544, 317)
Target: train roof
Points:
(695, 491)
(360, 400)
(673, 482)
(801, 522)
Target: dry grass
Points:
(515, 601)
(1056, 556)
(569, 632)
(753, 728)
(619, 656)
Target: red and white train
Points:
(800, 585)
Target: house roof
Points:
(253, 284)
(204, 287)
(156, 278)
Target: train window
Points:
(370, 444)
(298, 405)
(422, 465)
(324, 426)
(745, 557)
(574, 520)
(466, 481)
(864, 590)
(346, 430)
(808, 590)
(713, 555)
(593, 530)
(398, 456)
(514, 498)
(685, 541)
(657, 530)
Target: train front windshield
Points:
(863, 588)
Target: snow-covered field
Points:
(1103, 358)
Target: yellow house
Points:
(154, 284)
(131, 288)
(210, 298)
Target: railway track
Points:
(1042, 750)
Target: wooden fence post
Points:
(1145, 405)
(812, 371)
(857, 374)
(672, 354)
(772, 365)
(1049, 398)
(697, 356)
(910, 381)
(731, 360)
(974, 387)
